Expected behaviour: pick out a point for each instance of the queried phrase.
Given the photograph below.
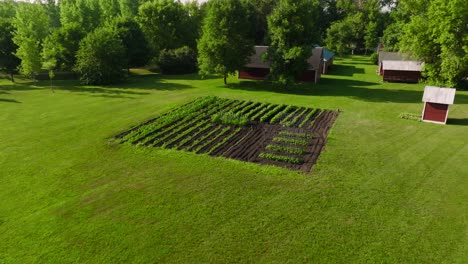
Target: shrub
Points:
(178, 61)
(101, 58)
(374, 58)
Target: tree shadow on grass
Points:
(360, 90)
(345, 70)
(134, 86)
(458, 121)
(9, 101)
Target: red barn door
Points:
(435, 112)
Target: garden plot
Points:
(282, 135)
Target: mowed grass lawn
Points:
(385, 189)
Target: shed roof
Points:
(439, 95)
(327, 55)
(257, 62)
(395, 56)
(256, 59)
(402, 65)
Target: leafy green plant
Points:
(410, 116)
(291, 141)
(295, 134)
(281, 114)
(286, 121)
(230, 118)
(283, 149)
(212, 139)
(255, 110)
(275, 157)
(271, 113)
(225, 139)
(263, 111)
(308, 117)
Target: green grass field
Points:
(384, 190)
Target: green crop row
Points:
(223, 131)
(184, 133)
(225, 139)
(187, 110)
(308, 117)
(263, 111)
(291, 141)
(290, 150)
(293, 121)
(192, 118)
(281, 158)
(280, 115)
(255, 110)
(266, 117)
(248, 109)
(190, 138)
(285, 121)
(230, 118)
(202, 139)
(295, 134)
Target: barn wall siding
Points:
(254, 73)
(435, 112)
(401, 76)
(261, 74)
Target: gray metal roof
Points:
(402, 65)
(439, 95)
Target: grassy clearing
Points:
(385, 189)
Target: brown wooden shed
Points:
(401, 71)
(257, 69)
(436, 104)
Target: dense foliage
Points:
(45, 35)
(101, 57)
(227, 42)
(178, 61)
(291, 27)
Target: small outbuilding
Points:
(328, 57)
(390, 56)
(436, 104)
(401, 71)
(257, 69)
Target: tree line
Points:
(99, 38)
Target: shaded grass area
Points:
(384, 190)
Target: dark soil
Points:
(251, 140)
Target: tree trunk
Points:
(12, 78)
(225, 79)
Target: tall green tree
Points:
(8, 61)
(163, 23)
(226, 43)
(261, 9)
(86, 13)
(7, 9)
(137, 51)
(292, 31)
(109, 9)
(439, 37)
(101, 57)
(32, 25)
(129, 8)
(60, 47)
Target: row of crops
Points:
(217, 126)
(289, 147)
